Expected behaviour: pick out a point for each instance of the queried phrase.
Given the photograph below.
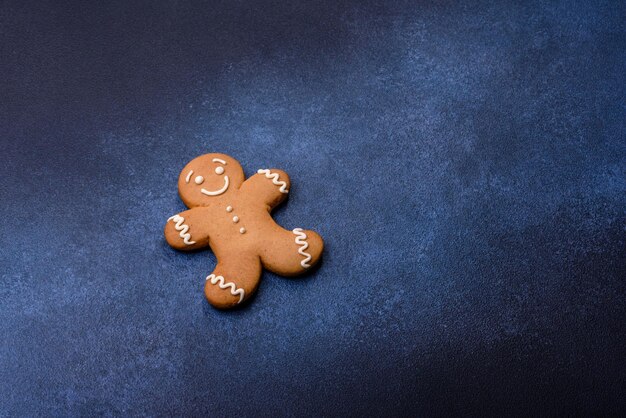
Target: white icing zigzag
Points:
(219, 280)
(300, 240)
(274, 177)
(180, 226)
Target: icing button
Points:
(235, 219)
(229, 208)
(242, 231)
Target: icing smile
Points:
(217, 192)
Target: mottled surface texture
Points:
(465, 164)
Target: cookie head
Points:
(208, 178)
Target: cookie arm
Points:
(271, 186)
(187, 230)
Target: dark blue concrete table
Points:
(464, 163)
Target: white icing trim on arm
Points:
(300, 240)
(222, 284)
(274, 177)
(180, 226)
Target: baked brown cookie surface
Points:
(232, 216)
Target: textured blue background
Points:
(464, 163)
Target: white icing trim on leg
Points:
(222, 284)
(274, 177)
(180, 226)
(300, 240)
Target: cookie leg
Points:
(290, 253)
(234, 280)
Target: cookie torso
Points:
(237, 225)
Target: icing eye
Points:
(219, 170)
(199, 180)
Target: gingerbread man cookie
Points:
(233, 217)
